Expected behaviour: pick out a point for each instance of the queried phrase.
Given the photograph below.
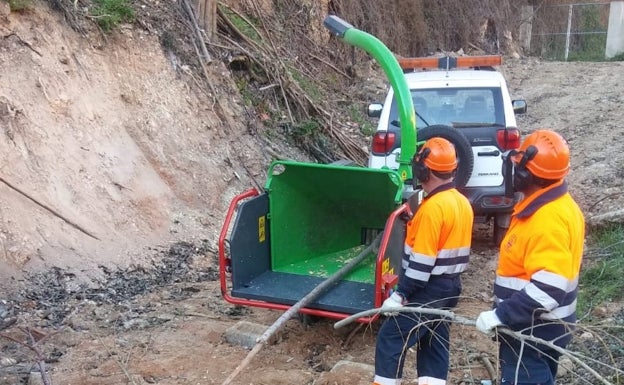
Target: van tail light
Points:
(508, 139)
(497, 201)
(383, 142)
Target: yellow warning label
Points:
(385, 267)
(261, 228)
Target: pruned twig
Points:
(121, 365)
(40, 357)
(33, 345)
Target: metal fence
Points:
(570, 31)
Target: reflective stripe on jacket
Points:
(438, 237)
(539, 262)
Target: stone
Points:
(245, 334)
(565, 366)
(355, 373)
(5, 9)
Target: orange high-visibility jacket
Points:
(438, 239)
(539, 262)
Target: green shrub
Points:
(110, 13)
(618, 57)
(308, 128)
(602, 277)
(590, 47)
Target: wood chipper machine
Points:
(311, 221)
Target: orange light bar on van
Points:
(448, 62)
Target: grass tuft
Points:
(601, 279)
(110, 13)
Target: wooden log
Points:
(207, 16)
(604, 219)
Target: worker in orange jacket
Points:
(437, 247)
(538, 268)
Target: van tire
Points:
(498, 234)
(465, 157)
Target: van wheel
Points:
(501, 225)
(465, 157)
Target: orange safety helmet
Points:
(437, 154)
(441, 155)
(545, 154)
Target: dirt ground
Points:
(117, 170)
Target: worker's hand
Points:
(392, 303)
(487, 321)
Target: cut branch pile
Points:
(287, 74)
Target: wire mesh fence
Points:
(570, 31)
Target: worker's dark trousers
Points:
(431, 335)
(537, 367)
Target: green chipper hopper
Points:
(314, 221)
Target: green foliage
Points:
(308, 128)
(110, 13)
(601, 280)
(591, 48)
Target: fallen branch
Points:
(567, 353)
(192, 314)
(603, 198)
(449, 315)
(615, 216)
(24, 42)
(72, 224)
(452, 317)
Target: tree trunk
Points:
(207, 16)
